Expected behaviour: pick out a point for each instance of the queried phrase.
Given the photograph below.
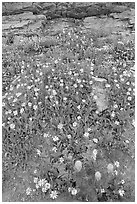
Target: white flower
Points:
(61, 160)
(81, 85)
(94, 154)
(60, 126)
(35, 179)
(75, 85)
(116, 164)
(91, 82)
(12, 126)
(121, 192)
(81, 70)
(133, 122)
(79, 80)
(38, 152)
(113, 114)
(69, 189)
(47, 185)
(14, 100)
(54, 92)
(95, 140)
(107, 85)
(35, 107)
(21, 110)
(54, 149)
(64, 98)
(95, 97)
(18, 94)
(74, 124)
(78, 107)
(110, 168)
(129, 98)
(74, 191)
(46, 135)
(29, 104)
(102, 190)
(44, 190)
(23, 104)
(98, 175)
(15, 112)
(117, 122)
(69, 136)
(86, 134)
(79, 117)
(53, 194)
(55, 138)
(28, 191)
(122, 181)
(115, 106)
(83, 100)
(37, 185)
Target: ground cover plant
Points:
(56, 127)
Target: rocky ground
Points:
(80, 139)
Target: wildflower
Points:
(98, 175)
(44, 190)
(133, 122)
(127, 141)
(12, 126)
(78, 107)
(69, 136)
(54, 149)
(79, 80)
(75, 85)
(95, 97)
(54, 92)
(129, 89)
(35, 179)
(128, 83)
(21, 110)
(18, 94)
(53, 194)
(115, 106)
(117, 122)
(15, 112)
(81, 85)
(107, 85)
(37, 185)
(95, 140)
(35, 171)
(28, 191)
(74, 191)
(116, 164)
(55, 138)
(86, 134)
(79, 117)
(29, 104)
(122, 181)
(110, 168)
(69, 189)
(23, 104)
(113, 114)
(14, 100)
(121, 192)
(129, 98)
(41, 182)
(94, 154)
(74, 124)
(64, 98)
(60, 126)
(83, 100)
(102, 190)
(38, 152)
(61, 160)
(78, 165)
(128, 93)
(81, 70)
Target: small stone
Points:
(98, 175)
